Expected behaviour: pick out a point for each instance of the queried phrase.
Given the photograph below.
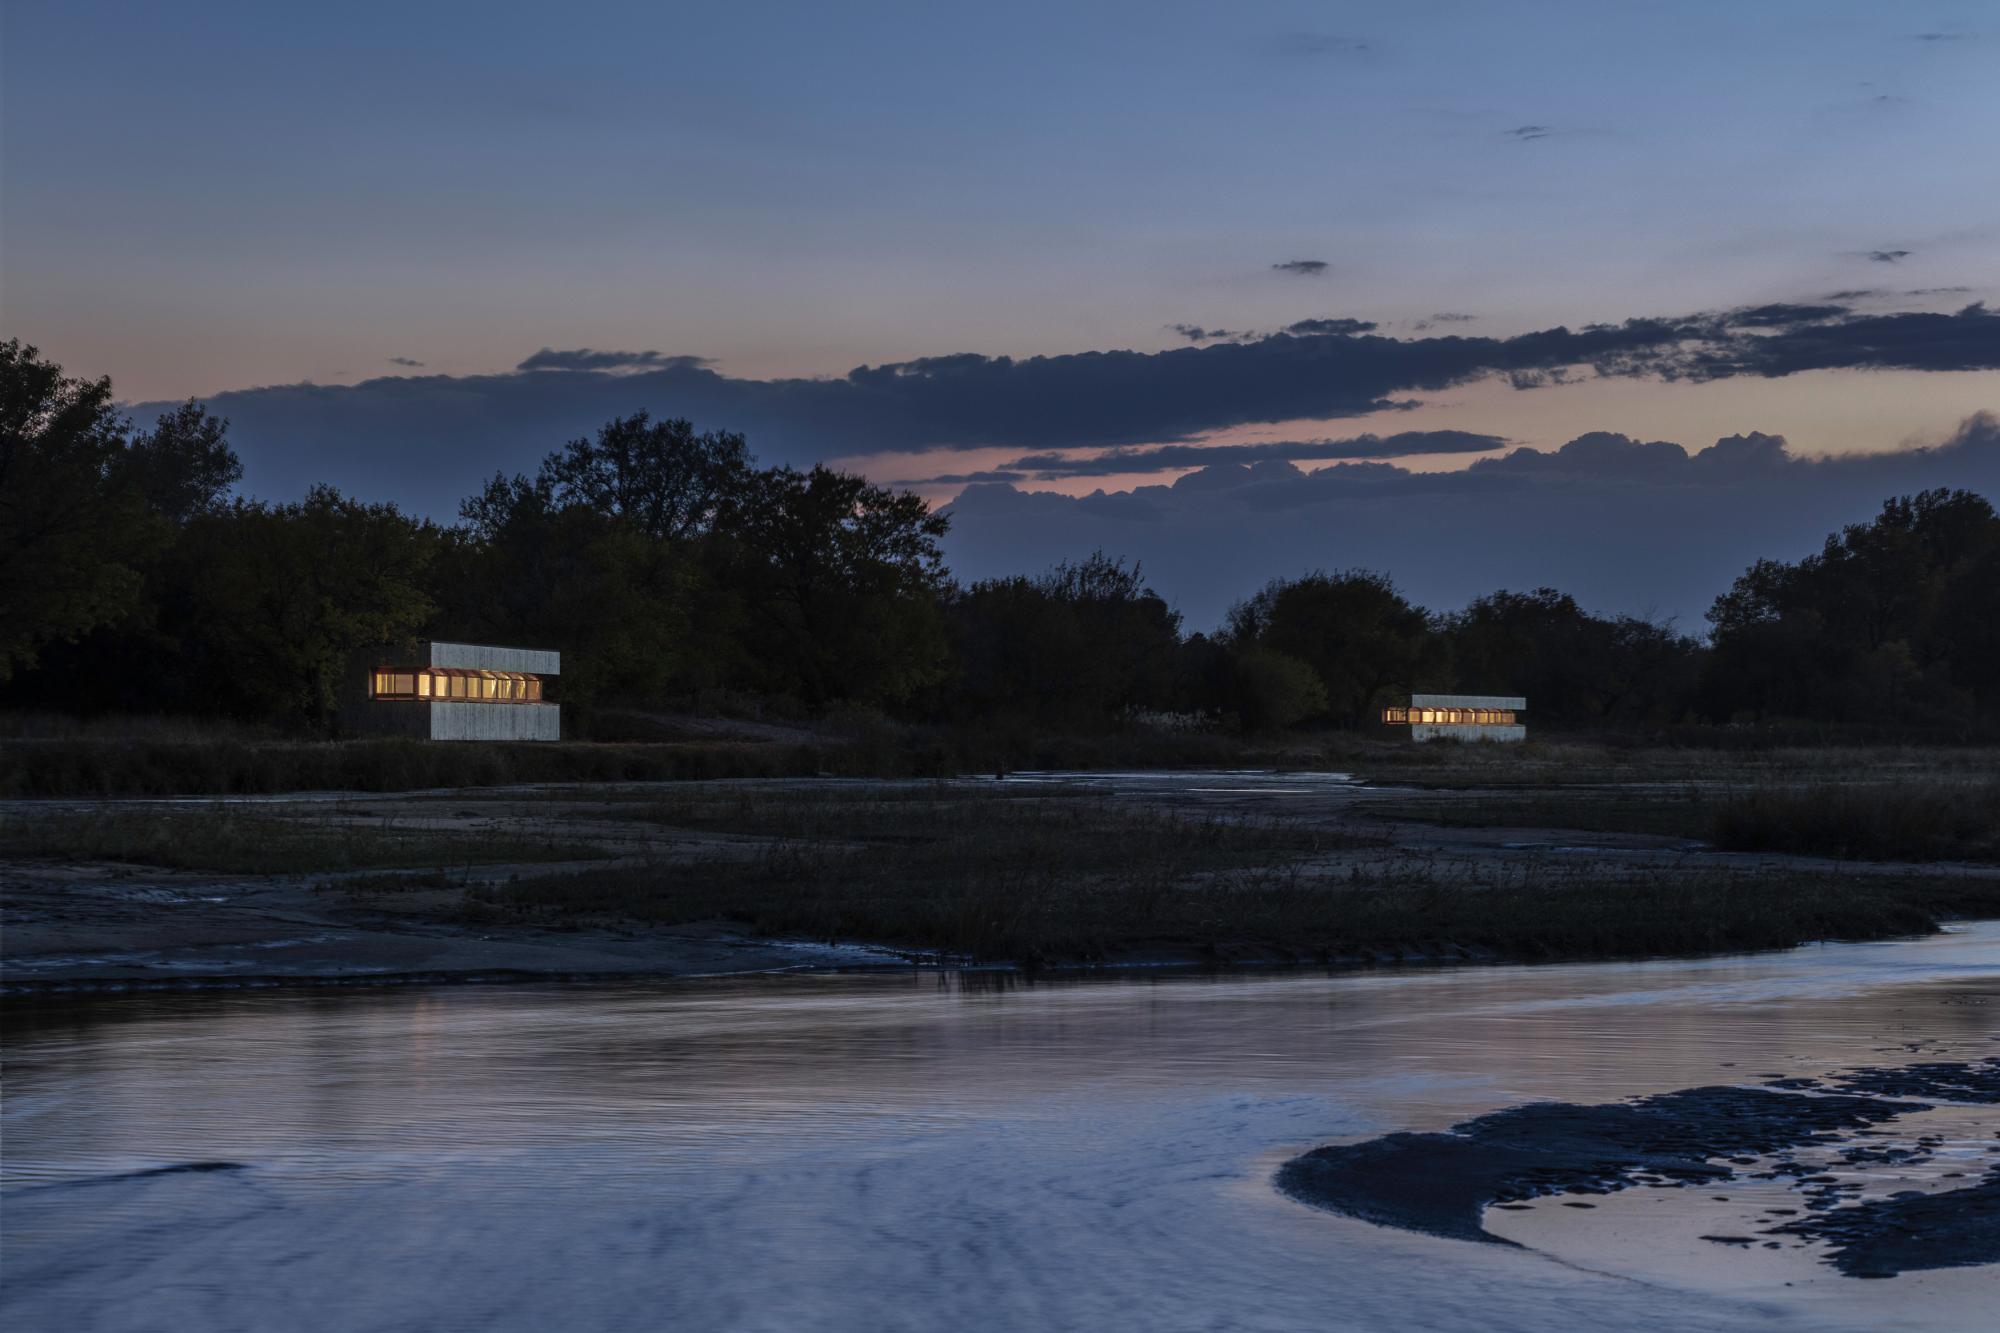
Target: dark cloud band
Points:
(1123, 462)
(435, 433)
(1625, 524)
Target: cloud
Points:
(1525, 133)
(586, 358)
(1780, 315)
(1443, 317)
(1302, 328)
(1625, 524)
(1339, 327)
(964, 478)
(1305, 268)
(1888, 256)
(1120, 462)
(405, 361)
(424, 440)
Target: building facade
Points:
(1466, 717)
(457, 692)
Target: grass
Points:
(1685, 813)
(1913, 821)
(1077, 880)
(42, 756)
(1903, 818)
(227, 842)
(102, 768)
(1046, 874)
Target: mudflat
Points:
(1040, 870)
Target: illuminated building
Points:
(457, 692)
(1469, 717)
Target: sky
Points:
(1022, 249)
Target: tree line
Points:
(674, 572)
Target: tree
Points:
(841, 582)
(273, 602)
(1573, 667)
(526, 568)
(73, 535)
(659, 476)
(184, 466)
(1890, 620)
(1082, 645)
(1364, 641)
(1275, 690)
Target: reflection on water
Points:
(883, 1151)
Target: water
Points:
(910, 1151)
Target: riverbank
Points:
(589, 881)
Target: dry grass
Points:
(1864, 816)
(230, 842)
(1068, 879)
(1909, 821)
(1684, 812)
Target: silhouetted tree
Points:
(271, 603)
(74, 535)
(184, 465)
(1575, 669)
(526, 568)
(1364, 641)
(841, 582)
(660, 476)
(1081, 646)
(1889, 621)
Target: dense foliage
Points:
(674, 573)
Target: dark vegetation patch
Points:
(229, 842)
(1684, 813)
(105, 767)
(1441, 1183)
(1872, 821)
(1061, 878)
(1855, 817)
(51, 768)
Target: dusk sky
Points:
(405, 247)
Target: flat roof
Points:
(1512, 702)
(492, 657)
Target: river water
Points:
(917, 1150)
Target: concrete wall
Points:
(1438, 731)
(453, 721)
(482, 657)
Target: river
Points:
(921, 1150)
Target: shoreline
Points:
(885, 960)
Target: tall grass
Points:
(1914, 821)
(229, 842)
(1059, 881)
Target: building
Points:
(457, 692)
(1466, 717)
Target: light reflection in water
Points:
(782, 1147)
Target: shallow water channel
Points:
(915, 1150)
